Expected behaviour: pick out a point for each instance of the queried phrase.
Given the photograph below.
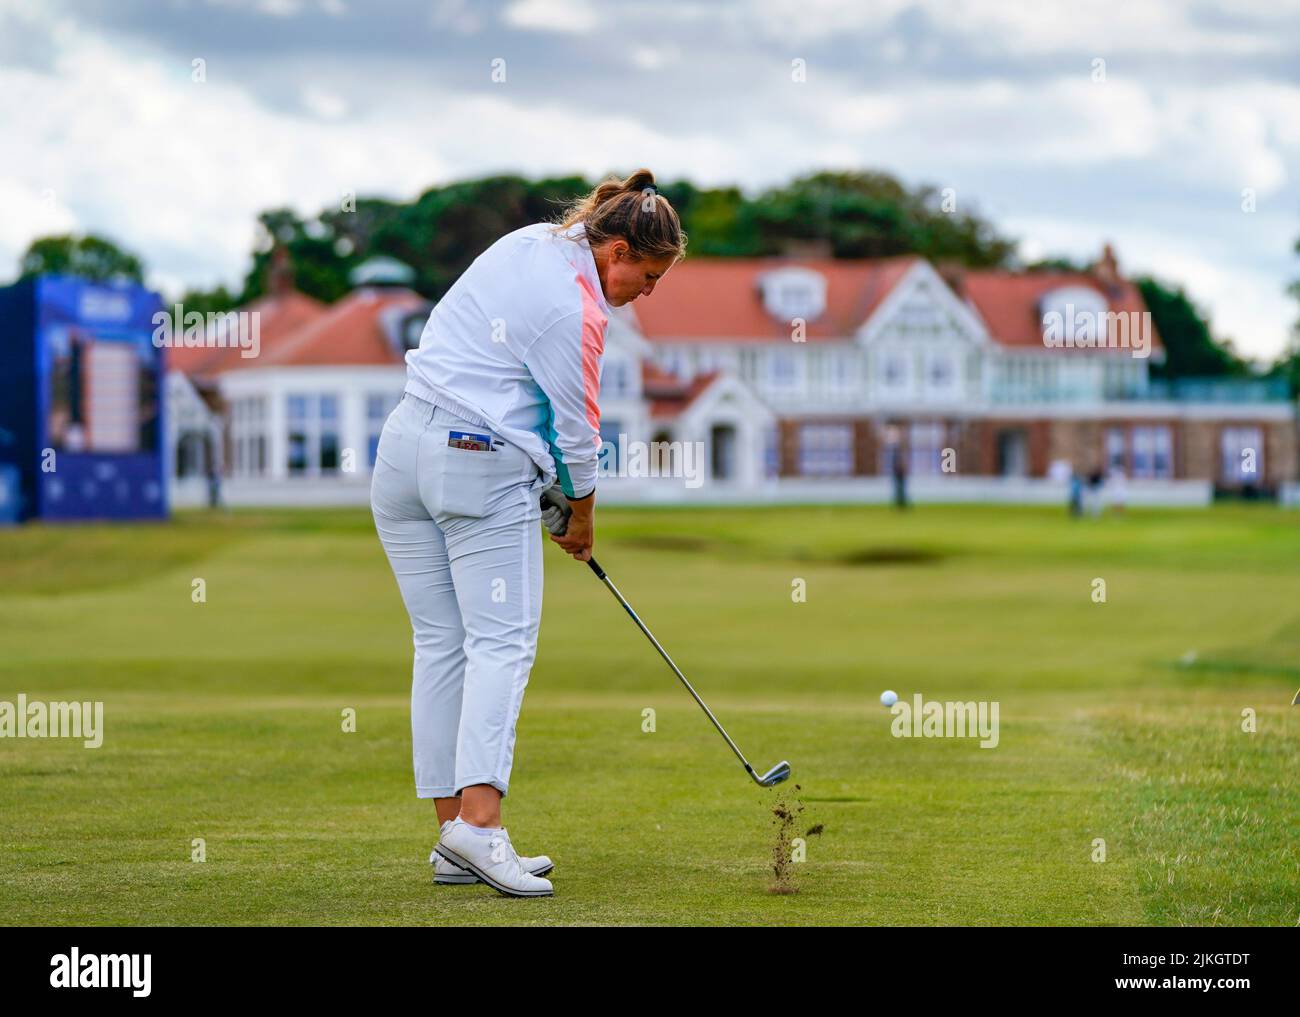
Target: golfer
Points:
(499, 414)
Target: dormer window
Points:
(1072, 313)
(413, 329)
(403, 327)
(791, 293)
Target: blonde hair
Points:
(631, 210)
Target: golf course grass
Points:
(1120, 722)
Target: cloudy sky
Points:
(1155, 125)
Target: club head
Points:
(775, 775)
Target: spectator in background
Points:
(1093, 497)
(897, 465)
(214, 483)
(1117, 489)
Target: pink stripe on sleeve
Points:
(593, 346)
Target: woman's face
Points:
(624, 276)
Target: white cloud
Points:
(178, 171)
(1100, 27)
(29, 212)
(323, 103)
(570, 16)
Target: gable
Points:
(922, 308)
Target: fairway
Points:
(1120, 721)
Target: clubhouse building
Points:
(772, 379)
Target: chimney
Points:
(279, 274)
(1106, 271)
(808, 249)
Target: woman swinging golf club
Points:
(501, 404)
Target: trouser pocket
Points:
(464, 481)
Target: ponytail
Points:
(631, 210)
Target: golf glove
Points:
(555, 510)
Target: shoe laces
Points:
(503, 851)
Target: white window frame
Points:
(249, 437)
(900, 359)
(313, 430)
(378, 406)
(1239, 438)
(779, 379)
(925, 445)
(826, 450)
(1149, 442)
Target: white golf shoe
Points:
(447, 874)
(467, 856)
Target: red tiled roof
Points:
(1009, 302)
(350, 332)
(280, 316)
(667, 394)
(719, 298)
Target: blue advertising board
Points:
(81, 399)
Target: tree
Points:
(1190, 348)
(873, 215)
(1287, 365)
(91, 257)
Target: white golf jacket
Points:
(516, 344)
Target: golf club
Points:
(773, 776)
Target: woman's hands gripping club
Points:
(571, 523)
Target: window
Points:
(794, 293)
(941, 372)
(1152, 453)
(248, 436)
(1242, 455)
(1116, 448)
(826, 450)
(313, 434)
(781, 369)
(1073, 314)
(894, 370)
(378, 406)
(925, 447)
(771, 451)
(842, 371)
(615, 380)
(920, 316)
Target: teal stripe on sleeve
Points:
(561, 470)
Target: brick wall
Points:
(1280, 452)
(864, 448)
(1196, 450)
(1079, 442)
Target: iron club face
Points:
(773, 776)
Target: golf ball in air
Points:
(888, 698)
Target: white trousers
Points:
(462, 533)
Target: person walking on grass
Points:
(499, 414)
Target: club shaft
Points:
(609, 585)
